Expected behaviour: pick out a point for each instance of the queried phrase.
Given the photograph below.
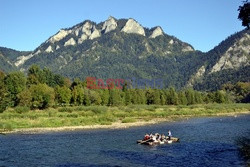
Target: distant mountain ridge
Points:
(122, 48)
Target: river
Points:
(206, 141)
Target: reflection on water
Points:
(204, 142)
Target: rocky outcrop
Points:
(157, 32)
(187, 49)
(77, 31)
(89, 31)
(71, 41)
(60, 35)
(198, 75)
(171, 42)
(227, 61)
(49, 49)
(22, 59)
(82, 38)
(37, 52)
(95, 33)
(133, 27)
(109, 25)
(86, 28)
(236, 56)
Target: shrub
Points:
(128, 120)
(5, 127)
(21, 109)
(65, 109)
(98, 109)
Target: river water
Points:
(206, 141)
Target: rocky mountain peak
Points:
(71, 41)
(157, 32)
(86, 28)
(60, 35)
(109, 25)
(133, 27)
(95, 33)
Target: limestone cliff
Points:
(109, 25)
(157, 32)
(236, 56)
(133, 27)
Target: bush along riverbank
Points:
(103, 116)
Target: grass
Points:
(21, 117)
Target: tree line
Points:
(41, 88)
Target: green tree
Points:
(86, 99)
(171, 96)
(163, 98)
(115, 98)
(43, 96)
(62, 95)
(133, 97)
(209, 98)
(35, 75)
(15, 83)
(244, 14)
(4, 95)
(198, 97)
(142, 97)
(94, 97)
(127, 94)
(190, 96)
(127, 97)
(220, 96)
(104, 96)
(24, 98)
(77, 95)
(149, 96)
(156, 97)
(182, 98)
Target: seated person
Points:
(146, 137)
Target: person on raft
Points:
(146, 137)
(169, 135)
(162, 137)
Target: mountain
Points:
(115, 49)
(122, 48)
(8, 57)
(229, 62)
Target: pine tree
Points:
(104, 96)
(86, 100)
(219, 97)
(163, 99)
(94, 97)
(198, 97)
(128, 96)
(190, 96)
(77, 94)
(4, 94)
(142, 97)
(171, 96)
(149, 96)
(156, 97)
(182, 98)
